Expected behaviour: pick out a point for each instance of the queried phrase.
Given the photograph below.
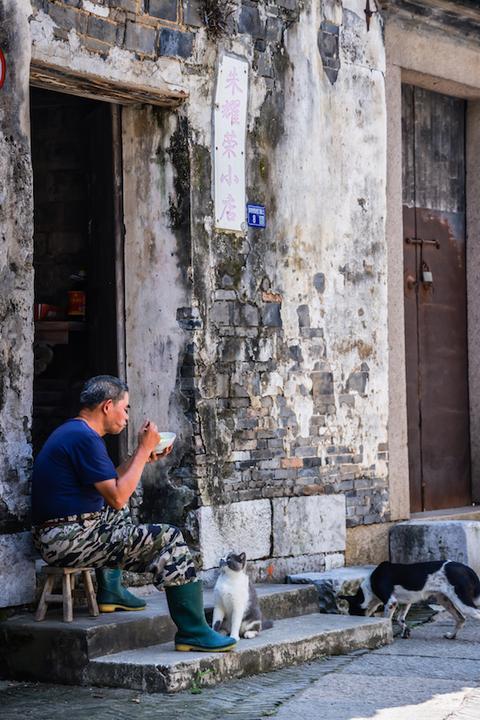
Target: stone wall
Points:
(291, 380)
(16, 318)
(266, 351)
(149, 28)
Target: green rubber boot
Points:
(185, 603)
(112, 595)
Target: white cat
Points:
(236, 609)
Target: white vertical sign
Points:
(230, 121)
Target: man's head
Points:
(105, 399)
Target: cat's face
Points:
(233, 562)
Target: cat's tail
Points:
(266, 624)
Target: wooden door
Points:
(433, 129)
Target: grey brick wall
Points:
(148, 28)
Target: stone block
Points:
(357, 381)
(240, 527)
(322, 383)
(330, 584)
(366, 544)
(423, 540)
(249, 22)
(222, 313)
(288, 4)
(264, 65)
(271, 315)
(246, 314)
(319, 282)
(274, 29)
(163, 9)
(192, 13)
(67, 18)
(308, 525)
(303, 312)
(101, 29)
(140, 38)
(17, 570)
(174, 43)
(129, 5)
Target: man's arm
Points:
(117, 491)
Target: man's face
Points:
(116, 415)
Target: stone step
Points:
(330, 584)
(425, 540)
(59, 652)
(159, 668)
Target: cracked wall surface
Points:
(16, 319)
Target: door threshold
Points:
(469, 512)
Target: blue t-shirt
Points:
(71, 461)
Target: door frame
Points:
(435, 61)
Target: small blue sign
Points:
(256, 216)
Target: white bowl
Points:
(166, 439)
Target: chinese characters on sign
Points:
(230, 119)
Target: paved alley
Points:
(424, 678)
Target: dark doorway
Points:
(433, 128)
(78, 271)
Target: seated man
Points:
(73, 478)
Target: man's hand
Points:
(148, 437)
(154, 456)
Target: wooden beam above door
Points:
(459, 16)
(51, 77)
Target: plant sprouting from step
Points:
(196, 688)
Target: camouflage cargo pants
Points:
(111, 539)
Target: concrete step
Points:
(159, 668)
(330, 584)
(59, 652)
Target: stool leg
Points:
(90, 593)
(43, 605)
(67, 599)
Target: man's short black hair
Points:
(101, 388)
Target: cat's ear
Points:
(242, 558)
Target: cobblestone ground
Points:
(425, 678)
(256, 697)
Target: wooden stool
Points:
(67, 575)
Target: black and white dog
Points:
(451, 584)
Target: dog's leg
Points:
(373, 606)
(449, 606)
(402, 620)
(390, 607)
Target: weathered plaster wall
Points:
(16, 318)
(157, 259)
(292, 359)
(266, 352)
